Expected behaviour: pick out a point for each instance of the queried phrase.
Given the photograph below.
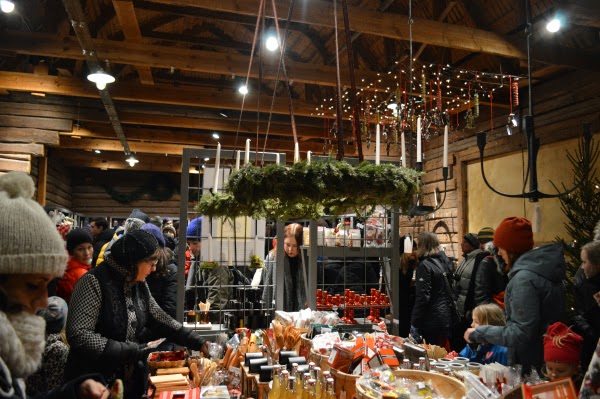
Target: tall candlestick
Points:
(217, 164)
(445, 161)
(403, 148)
(308, 155)
(209, 248)
(237, 161)
(247, 154)
(377, 142)
(277, 158)
(419, 155)
(296, 152)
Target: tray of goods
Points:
(164, 360)
(409, 384)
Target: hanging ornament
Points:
(424, 88)
(469, 119)
(515, 93)
(439, 97)
(476, 105)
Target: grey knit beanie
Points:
(55, 314)
(29, 242)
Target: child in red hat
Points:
(562, 349)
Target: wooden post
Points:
(42, 180)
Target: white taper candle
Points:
(419, 155)
(377, 142)
(217, 164)
(247, 154)
(445, 160)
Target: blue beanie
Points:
(55, 314)
(155, 231)
(194, 229)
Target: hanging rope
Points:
(338, 93)
(353, 104)
(280, 66)
(260, 79)
(260, 7)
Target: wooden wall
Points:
(560, 106)
(92, 199)
(58, 182)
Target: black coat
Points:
(433, 305)
(105, 236)
(489, 281)
(587, 314)
(164, 290)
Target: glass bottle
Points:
(291, 391)
(274, 392)
(285, 376)
(299, 385)
(305, 388)
(330, 390)
(312, 388)
(294, 371)
(317, 377)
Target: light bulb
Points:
(272, 43)
(215, 136)
(243, 89)
(101, 85)
(553, 25)
(7, 6)
(132, 161)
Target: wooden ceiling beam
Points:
(34, 149)
(388, 24)
(157, 94)
(113, 160)
(28, 135)
(131, 30)
(167, 57)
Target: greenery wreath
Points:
(305, 190)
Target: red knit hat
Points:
(514, 234)
(561, 344)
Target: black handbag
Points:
(455, 318)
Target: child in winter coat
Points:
(562, 349)
(491, 315)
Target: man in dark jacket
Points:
(587, 312)
(102, 234)
(464, 287)
(535, 295)
(491, 278)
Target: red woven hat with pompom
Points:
(514, 234)
(561, 344)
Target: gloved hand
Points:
(415, 334)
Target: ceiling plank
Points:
(105, 161)
(131, 30)
(388, 24)
(166, 57)
(159, 94)
(20, 148)
(28, 135)
(35, 123)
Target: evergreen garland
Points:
(582, 209)
(303, 191)
(159, 188)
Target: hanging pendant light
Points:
(132, 161)
(101, 79)
(7, 6)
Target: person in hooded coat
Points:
(535, 295)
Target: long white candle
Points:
(403, 148)
(256, 244)
(209, 248)
(237, 161)
(277, 159)
(445, 161)
(308, 155)
(296, 152)
(217, 164)
(377, 142)
(419, 155)
(247, 154)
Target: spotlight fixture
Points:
(101, 79)
(216, 135)
(206, 159)
(7, 6)
(243, 89)
(512, 120)
(553, 25)
(272, 43)
(132, 161)
(97, 151)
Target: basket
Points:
(447, 387)
(164, 364)
(319, 359)
(305, 345)
(344, 383)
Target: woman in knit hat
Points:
(112, 316)
(31, 254)
(81, 252)
(535, 294)
(562, 348)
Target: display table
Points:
(248, 381)
(262, 388)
